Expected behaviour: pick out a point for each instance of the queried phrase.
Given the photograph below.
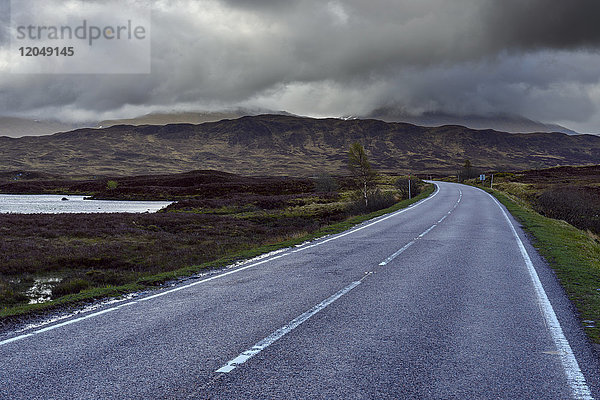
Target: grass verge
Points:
(154, 280)
(572, 253)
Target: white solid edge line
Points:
(72, 321)
(575, 377)
(284, 330)
(220, 275)
(15, 339)
(69, 322)
(376, 221)
(211, 278)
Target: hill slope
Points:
(287, 145)
(499, 122)
(18, 127)
(173, 118)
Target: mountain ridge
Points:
(289, 145)
(18, 127)
(499, 122)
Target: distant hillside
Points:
(185, 117)
(501, 122)
(173, 118)
(18, 127)
(286, 145)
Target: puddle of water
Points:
(41, 291)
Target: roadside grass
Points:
(151, 280)
(572, 253)
(571, 194)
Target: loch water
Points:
(56, 204)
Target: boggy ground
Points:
(571, 194)
(217, 215)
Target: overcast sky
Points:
(535, 58)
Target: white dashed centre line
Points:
(406, 246)
(284, 330)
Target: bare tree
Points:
(364, 175)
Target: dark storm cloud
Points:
(558, 24)
(475, 27)
(536, 57)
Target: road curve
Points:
(446, 299)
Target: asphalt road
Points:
(443, 300)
